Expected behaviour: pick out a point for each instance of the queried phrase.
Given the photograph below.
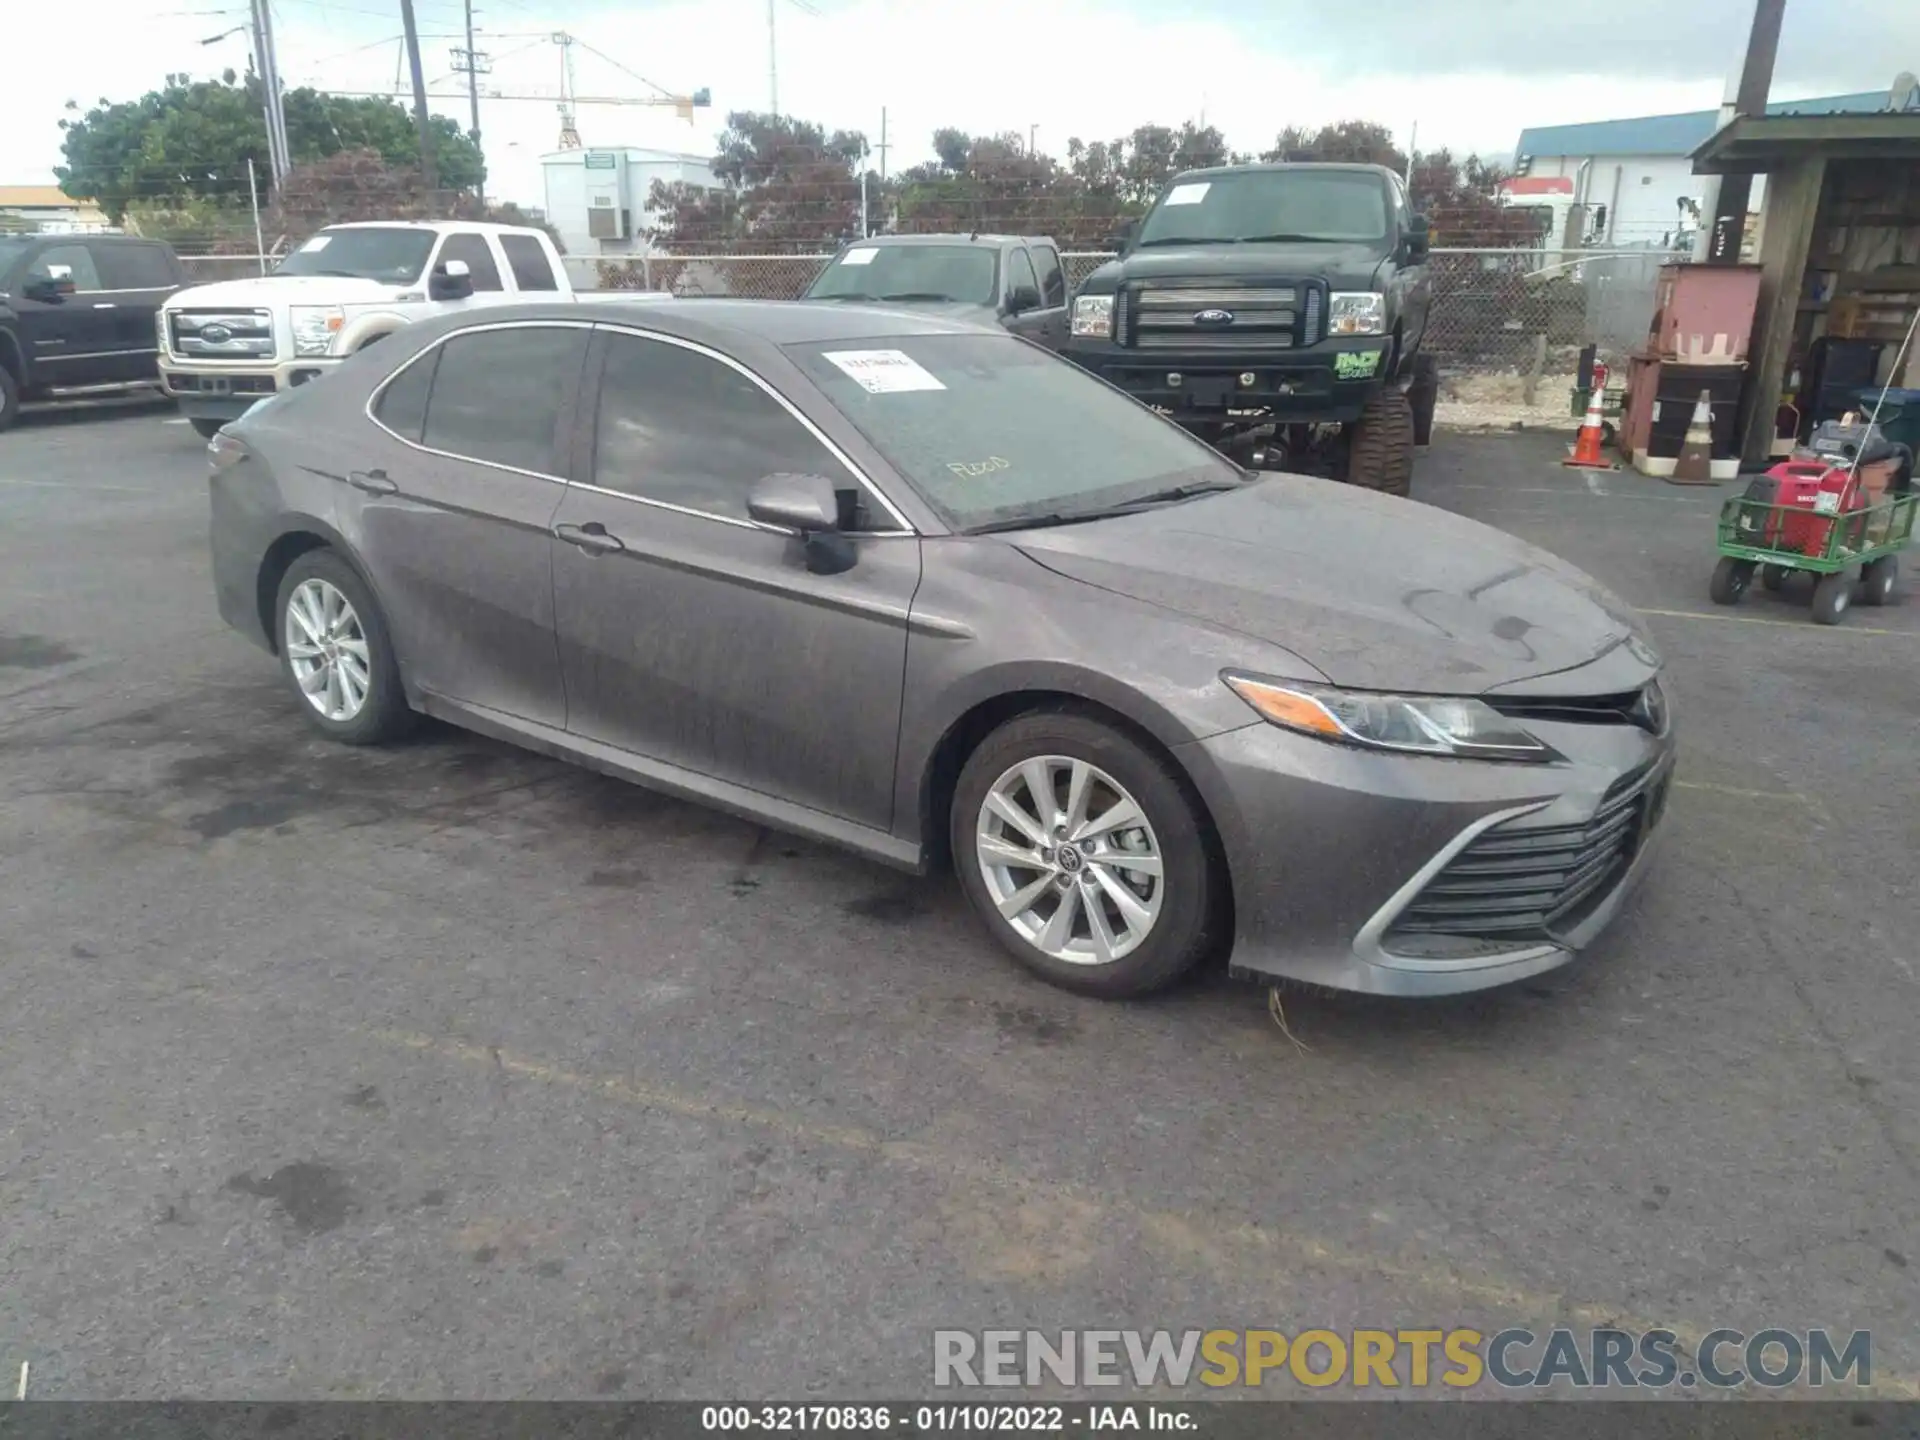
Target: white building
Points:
(597, 199)
(1632, 181)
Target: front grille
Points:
(1524, 883)
(222, 334)
(1645, 707)
(1164, 315)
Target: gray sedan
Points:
(915, 587)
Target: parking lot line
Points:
(62, 485)
(1791, 796)
(1229, 1248)
(1802, 625)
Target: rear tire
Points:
(1422, 395)
(1879, 580)
(1380, 444)
(1831, 598)
(1181, 898)
(9, 399)
(206, 429)
(1774, 577)
(382, 713)
(1730, 580)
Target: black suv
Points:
(77, 315)
(1276, 311)
(1010, 280)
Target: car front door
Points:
(69, 339)
(696, 637)
(449, 502)
(136, 277)
(1032, 322)
(483, 266)
(1053, 297)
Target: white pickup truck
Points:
(224, 347)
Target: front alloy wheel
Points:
(1070, 860)
(327, 650)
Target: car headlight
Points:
(1417, 724)
(160, 330)
(314, 327)
(1357, 312)
(1093, 315)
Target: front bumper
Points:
(1340, 857)
(1208, 386)
(227, 390)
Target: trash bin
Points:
(1899, 414)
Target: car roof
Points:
(728, 324)
(485, 227)
(1214, 171)
(956, 238)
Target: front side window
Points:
(1249, 205)
(991, 430)
(1053, 280)
(76, 258)
(478, 255)
(964, 273)
(1020, 272)
(391, 254)
(679, 427)
(497, 395)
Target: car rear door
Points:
(696, 637)
(449, 502)
(136, 276)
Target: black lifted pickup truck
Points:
(77, 316)
(1276, 311)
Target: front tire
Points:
(206, 429)
(1380, 444)
(9, 399)
(1730, 580)
(1084, 856)
(1423, 394)
(1831, 598)
(336, 654)
(1878, 581)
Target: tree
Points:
(361, 185)
(1352, 142)
(189, 142)
(786, 186)
(983, 183)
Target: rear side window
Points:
(1053, 281)
(497, 395)
(479, 257)
(528, 259)
(402, 406)
(133, 267)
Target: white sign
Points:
(1188, 194)
(859, 257)
(884, 372)
(318, 242)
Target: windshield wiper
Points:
(1282, 238)
(921, 295)
(1037, 522)
(1186, 240)
(1174, 495)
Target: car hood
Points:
(946, 309)
(1374, 592)
(269, 291)
(1338, 262)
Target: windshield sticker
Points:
(859, 257)
(318, 242)
(974, 469)
(884, 372)
(1187, 194)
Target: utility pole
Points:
(428, 179)
(773, 64)
(1725, 210)
(882, 146)
(267, 64)
(474, 64)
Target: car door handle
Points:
(374, 482)
(591, 537)
(105, 305)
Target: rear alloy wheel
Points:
(1731, 578)
(1083, 855)
(1878, 581)
(1422, 395)
(1380, 444)
(335, 652)
(206, 429)
(1832, 597)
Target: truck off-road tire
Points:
(1084, 854)
(206, 429)
(1422, 395)
(9, 399)
(1380, 444)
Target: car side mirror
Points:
(1123, 237)
(1021, 298)
(808, 505)
(1419, 237)
(451, 280)
(54, 287)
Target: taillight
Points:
(224, 451)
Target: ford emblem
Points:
(1213, 317)
(215, 334)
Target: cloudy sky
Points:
(1469, 73)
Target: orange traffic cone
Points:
(1695, 465)
(1586, 448)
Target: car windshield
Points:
(1269, 205)
(992, 431)
(964, 273)
(393, 255)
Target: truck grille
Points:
(221, 334)
(1519, 883)
(1165, 315)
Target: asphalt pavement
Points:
(450, 1071)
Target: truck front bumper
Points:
(227, 391)
(1328, 382)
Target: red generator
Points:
(1807, 494)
